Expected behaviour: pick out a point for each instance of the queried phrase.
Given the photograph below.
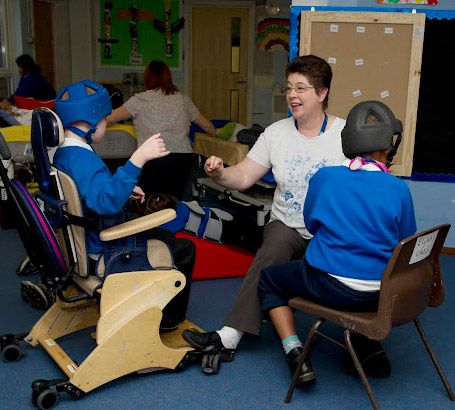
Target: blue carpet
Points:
(257, 379)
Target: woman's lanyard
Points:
(324, 125)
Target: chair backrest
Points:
(58, 190)
(412, 279)
(33, 227)
(46, 132)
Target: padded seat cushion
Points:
(218, 261)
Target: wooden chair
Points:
(412, 280)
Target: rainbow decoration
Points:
(273, 34)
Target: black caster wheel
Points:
(47, 399)
(11, 350)
(210, 363)
(11, 353)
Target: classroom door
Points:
(220, 80)
(44, 39)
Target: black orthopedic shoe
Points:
(203, 340)
(37, 295)
(307, 375)
(170, 323)
(371, 355)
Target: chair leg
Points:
(306, 347)
(363, 377)
(434, 359)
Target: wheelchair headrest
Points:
(51, 127)
(46, 131)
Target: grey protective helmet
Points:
(358, 136)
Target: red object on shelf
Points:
(214, 261)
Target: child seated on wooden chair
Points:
(357, 212)
(83, 108)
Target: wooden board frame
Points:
(338, 37)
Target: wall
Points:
(442, 4)
(269, 70)
(434, 202)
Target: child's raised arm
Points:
(152, 148)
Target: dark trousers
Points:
(279, 283)
(184, 253)
(280, 244)
(166, 175)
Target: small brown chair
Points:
(412, 280)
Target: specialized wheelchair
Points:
(123, 301)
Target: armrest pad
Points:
(138, 225)
(230, 152)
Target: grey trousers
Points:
(280, 244)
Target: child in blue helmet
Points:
(83, 108)
(357, 213)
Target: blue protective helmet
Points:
(85, 101)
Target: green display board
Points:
(134, 32)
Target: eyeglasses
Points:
(299, 89)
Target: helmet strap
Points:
(87, 135)
(393, 150)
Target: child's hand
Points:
(138, 193)
(152, 148)
(214, 167)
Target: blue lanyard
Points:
(324, 125)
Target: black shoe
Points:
(170, 323)
(203, 340)
(307, 374)
(371, 355)
(37, 295)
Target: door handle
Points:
(242, 81)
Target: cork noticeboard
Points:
(374, 56)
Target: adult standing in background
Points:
(32, 83)
(163, 109)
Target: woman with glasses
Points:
(294, 148)
(163, 109)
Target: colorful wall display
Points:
(272, 34)
(431, 2)
(133, 32)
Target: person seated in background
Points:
(11, 115)
(83, 108)
(32, 83)
(357, 212)
(162, 108)
(213, 224)
(7, 115)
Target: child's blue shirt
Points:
(102, 192)
(357, 218)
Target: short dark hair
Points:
(157, 202)
(158, 75)
(316, 69)
(28, 64)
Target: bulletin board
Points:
(132, 33)
(374, 56)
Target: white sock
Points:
(230, 337)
